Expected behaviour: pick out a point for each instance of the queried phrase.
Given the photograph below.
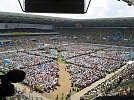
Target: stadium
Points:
(68, 59)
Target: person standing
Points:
(62, 95)
(31, 89)
(24, 90)
(57, 98)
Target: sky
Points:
(97, 9)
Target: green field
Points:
(60, 59)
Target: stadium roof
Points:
(129, 2)
(6, 17)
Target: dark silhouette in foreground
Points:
(6, 88)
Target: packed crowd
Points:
(82, 76)
(41, 71)
(43, 77)
(23, 42)
(88, 63)
(114, 52)
(50, 53)
(112, 86)
(114, 36)
(85, 70)
(22, 60)
(70, 51)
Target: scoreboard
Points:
(54, 6)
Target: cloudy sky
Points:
(97, 9)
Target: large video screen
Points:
(54, 6)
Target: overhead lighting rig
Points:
(129, 2)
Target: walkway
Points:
(63, 80)
(66, 85)
(34, 94)
(77, 96)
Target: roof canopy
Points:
(6, 17)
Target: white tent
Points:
(130, 62)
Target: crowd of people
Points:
(87, 63)
(50, 53)
(111, 36)
(9, 43)
(43, 77)
(70, 51)
(114, 52)
(41, 71)
(22, 60)
(113, 86)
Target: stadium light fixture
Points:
(129, 2)
(55, 6)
